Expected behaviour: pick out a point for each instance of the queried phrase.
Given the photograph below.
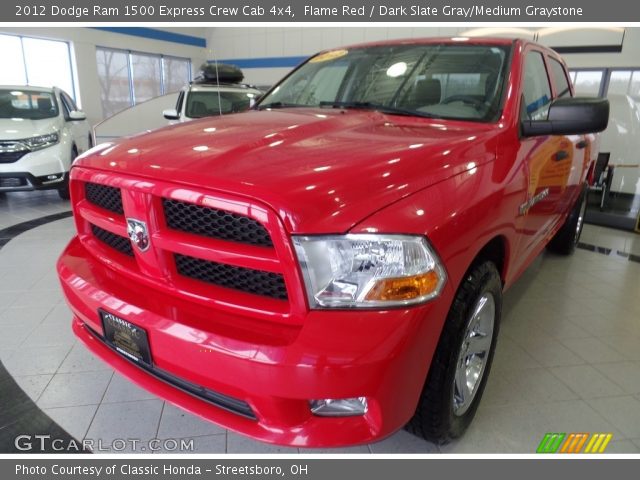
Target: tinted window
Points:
(207, 104)
(536, 91)
(559, 78)
(27, 104)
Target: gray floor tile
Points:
(622, 446)
(75, 420)
(511, 356)
(549, 352)
(121, 389)
(403, 442)
(535, 385)
(593, 350)
(586, 381)
(80, 359)
(50, 336)
(75, 389)
(241, 444)
(33, 385)
(36, 361)
(175, 422)
(625, 374)
(627, 345)
(622, 412)
(129, 420)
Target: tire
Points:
(63, 191)
(566, 239)
(443, 414)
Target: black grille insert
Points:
(214, 223)
(104, 196)
(121, 244)
(257, 282)
(10, 157)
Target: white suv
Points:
(41, 132)
(199, 100)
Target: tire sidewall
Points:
(460, 316)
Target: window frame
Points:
(523, 115)
(130, 71)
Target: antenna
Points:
(215, 60)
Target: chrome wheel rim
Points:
(474, 353)
(583, 209)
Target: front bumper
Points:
(31, 171)
(273, 368)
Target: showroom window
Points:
(36, 62)
(128, 78)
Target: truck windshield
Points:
(27, 104)
(445, 81)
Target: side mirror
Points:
(77, 116)
(571, 116)
(171, 114)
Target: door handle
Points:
(561, 155)
(582, 144)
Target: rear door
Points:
(577, 146)
(545, 170)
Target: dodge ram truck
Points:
(329, 266)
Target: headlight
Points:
(367, 270)
(42, 141)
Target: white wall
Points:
(84, 41)
(259, 42)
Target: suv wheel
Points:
(566, 239)
(462, 361)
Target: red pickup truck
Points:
(329, 267)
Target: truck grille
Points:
(206, 247)
(103, 196)
(214, 223)
(267, 284)
(117, 242)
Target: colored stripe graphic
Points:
(551, 442)
(574, 443)
(598, 443)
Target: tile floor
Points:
(568, 358)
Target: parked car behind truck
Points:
(329, 267)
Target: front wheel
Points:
(462, 361)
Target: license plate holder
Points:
(128, 339)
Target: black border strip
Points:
(19, 414)
(9, 233)
(589, 49)
(609, 252)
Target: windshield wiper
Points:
(377, 107)
(280, 105)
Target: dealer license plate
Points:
(128, 339)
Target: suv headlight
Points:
(368, 270)
(42, 141)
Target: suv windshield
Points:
(27, 104)
(446, 81)
(206, 104)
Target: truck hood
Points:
(18, 128)
(322, 170)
